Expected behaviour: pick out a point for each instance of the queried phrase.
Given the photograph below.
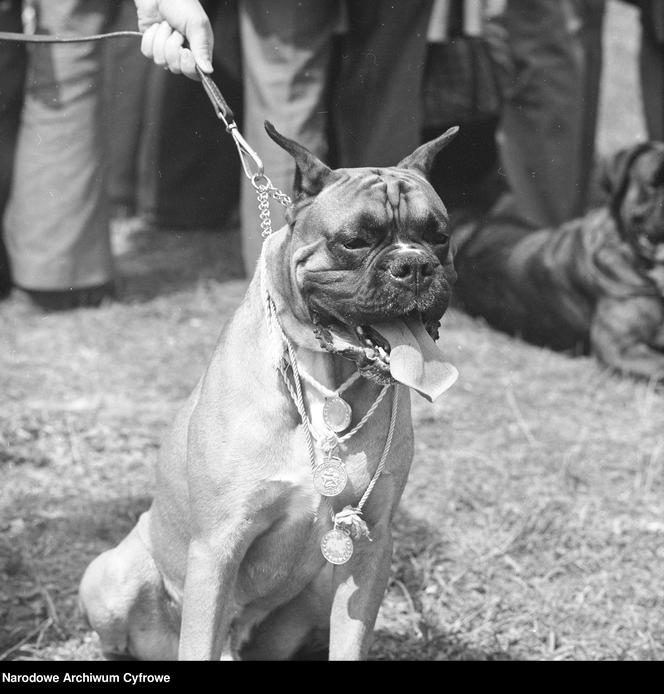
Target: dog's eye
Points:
(356, 244)
(440, 239)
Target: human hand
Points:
(165, 25)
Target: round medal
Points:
(330, 477)
(336, 546)
(337, 413)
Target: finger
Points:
(201, 41)
(159, 46)
(147, 42)
(188, 64)
(173, 52)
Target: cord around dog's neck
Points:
(300, 331)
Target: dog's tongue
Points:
(415, 360)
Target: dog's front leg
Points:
(626, 336)
(359, 587)
(207, 606)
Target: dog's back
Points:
(540, 284)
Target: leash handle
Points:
(220, 105)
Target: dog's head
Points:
(369, 254)
(634, 179)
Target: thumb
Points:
(199, 35)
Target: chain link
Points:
(264, 191)
(281, 197)
(264, 211)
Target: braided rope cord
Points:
(386, 450)
(328, 392)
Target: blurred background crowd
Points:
(94, 131)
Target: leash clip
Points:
(251, 162)
(248, 157)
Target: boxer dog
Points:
(595, 284)
(227, 561)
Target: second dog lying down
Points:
(594, 284)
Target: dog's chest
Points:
(287, 556)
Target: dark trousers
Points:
(12, 81)
(651, 66)
(548, 126)
(126, 74)
(190, 169)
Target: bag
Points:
(460, 84)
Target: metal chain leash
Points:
(264, 211)
(264, 191)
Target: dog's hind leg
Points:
(123, 598)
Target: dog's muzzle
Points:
(412, 268)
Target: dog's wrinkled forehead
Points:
(389, 198)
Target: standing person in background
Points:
(287, 51)
(57, 218)
(12, 81)
(547, 134)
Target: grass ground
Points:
(533, 523)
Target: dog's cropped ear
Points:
(311, 174)
(614, 171)
(421, 160)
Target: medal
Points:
(337, 413)
(330, 477)
(336, 546)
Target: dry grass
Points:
(532, 526)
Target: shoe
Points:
(68, 299)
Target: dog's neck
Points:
(274, 267)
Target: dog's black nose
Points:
(412, 267)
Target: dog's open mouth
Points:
(400, 349)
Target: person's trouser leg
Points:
(591, 14)
(376, 98)
(651, 68)
(191, 166)
(286, 49)
(57, 222)
(126, 73)
(12, 79)
(548, 127)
